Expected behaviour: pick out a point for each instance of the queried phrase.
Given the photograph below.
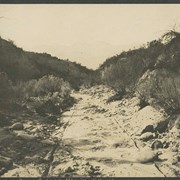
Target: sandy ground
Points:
(97, 139)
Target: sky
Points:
(87, 34)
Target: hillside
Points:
(127, 67)
(21, 65)
(60, 119)
(152, 71)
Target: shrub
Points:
(123, 74)
(49, 94)
(47, 85)
(6, 90)
(162, 85)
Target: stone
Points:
(175, 149)
(69, 169)
(57, 127)
(147, 136)
(17, 126)
(48, 142)
(166, 144)
(156, 145)
(26, 136)
(2, 171)
(175, 160)
(145, 117)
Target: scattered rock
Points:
(69, 169)
(175, 160)
(165, 144)
(57, 127)
(118, 96)
(175, 149)
(17, 126)
(156, 145)
(48, 142)
(2, 171)
(26, 136)
(147, 136)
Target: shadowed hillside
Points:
(21, 65)
(37, 82)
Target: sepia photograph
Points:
(89, 90)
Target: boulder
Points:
(145, 118)
(17, 126)
(25, 136)
(175, 160)
(147, 136)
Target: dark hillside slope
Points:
(23, 66)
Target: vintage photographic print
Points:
(89, 90)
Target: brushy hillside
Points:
(152, 71)
(38, 82)
(23, 66)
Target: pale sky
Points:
(87, 34)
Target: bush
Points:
(45, 86)
(162, 85)
(49, 94)
(123, 74)
(6, 90)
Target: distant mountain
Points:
(21, 65)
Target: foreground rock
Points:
(148, 117)
(17, 126)
(147, 136)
